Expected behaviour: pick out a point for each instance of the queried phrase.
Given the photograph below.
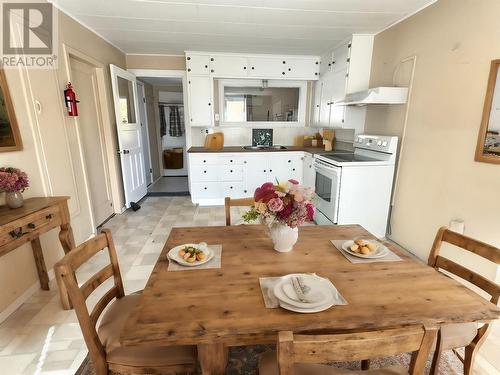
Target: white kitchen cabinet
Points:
(302, 68)
(200, 94)
(316, 103)
(341, 57)
(197, 64)
(229, 66)
(308, 171)
(266, 67)
(327, 90)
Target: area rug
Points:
(244, 361)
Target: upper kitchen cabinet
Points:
(345, 70)
(197, 64)
(200, 94)
(286, 67)
(229, 66)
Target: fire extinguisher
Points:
(70, 99)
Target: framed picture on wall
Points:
(10, 138)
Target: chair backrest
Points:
(474, 246)
(355, 346)
(66, 268)
(242, 202)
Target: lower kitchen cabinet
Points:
(308, 171)
(214, 176)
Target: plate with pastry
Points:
(363, 248)
(191, 254)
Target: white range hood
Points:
(377, 95)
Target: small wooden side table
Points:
(25, 224)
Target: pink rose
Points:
(310, 211)
(265, 193)
(275, 205)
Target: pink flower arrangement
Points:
(286, 203)
(13, 179)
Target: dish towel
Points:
(390, 257)
(215, 262)
(176, 122)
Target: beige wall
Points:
(51, 156)
(454, 42)
(156, 62)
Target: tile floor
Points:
(169, 185)
(40, 338)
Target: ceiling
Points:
(253, 26)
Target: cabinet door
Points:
(266, 67)
(338, 82)
(294, 164)
(341, 57)
(201, 173)
(229, 66)
(326, 99)
(200, 101)
(308, 172)
(302, 68)
(316, 103)
(198, 64)
(256, 172)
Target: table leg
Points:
(66, 238)
(40, 263)
(213, 358)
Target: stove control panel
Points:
(377, 143)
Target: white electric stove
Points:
(356, 187)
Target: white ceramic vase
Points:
(283, 237)
(14, 199)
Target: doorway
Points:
(90, 130)
(164, 108)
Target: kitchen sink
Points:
(277, 147)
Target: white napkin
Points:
(308, 294)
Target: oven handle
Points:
(318, 164)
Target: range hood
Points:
(377, 95)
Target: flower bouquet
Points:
(13, 181)
(282, 207)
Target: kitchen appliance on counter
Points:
(214, 141)
(356, 187)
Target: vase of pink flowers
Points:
(282, 208)
(13, 181)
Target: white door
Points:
(89, 125)
(148, 169)
(129, 134)
(200, 101)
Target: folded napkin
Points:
(299, 290)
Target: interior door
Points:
(128, 128)
(89, 124)
(148, 169)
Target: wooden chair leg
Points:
(437, 357)
(470, 355)
(365, 364)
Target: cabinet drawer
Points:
(230, 173)
(232, 160)
(203, 159)
(234, 189)
(206, 190)
(204, 173)
(30, 226)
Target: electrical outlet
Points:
(457, 225)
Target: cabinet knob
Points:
(315, 74)
(189, 69)
(231, 160)
(209, 103)
(244, 191)
(317, 105)
(293, 169)
(206, 66)
(231, 171)
(244, 68)
(16, 233)
(204, 171)
(253, 67)
(212, 70)
(317, 62)
(49, 216)
(289, 161)
(289, 69)
(31, 225)
(265, 170)
(211, 59)
(188, 58)
(204, 161)
(230, 187)
(205, 188)
(283, 73)
(270, 170)
(284, 62)
(245, 162)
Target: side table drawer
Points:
(28, 227)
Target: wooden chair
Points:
(228, 203)
(467, 335)
(303, 354)
(103, 343)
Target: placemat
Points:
(391, 257)
(270, 300)
(215, 262)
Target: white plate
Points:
(173, 254)
(322, 285)
(318, 309)
(381, 251)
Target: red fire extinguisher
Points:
(70, 99)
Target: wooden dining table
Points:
(218, 308)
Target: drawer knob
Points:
(245, 191)
(265, 170)
(231, 171)
(16, 233)
(49, 216)
(205, 188)
(204, 161)
(230, 187)
(31, 225)
(231, 160)
(204, 171)
(270, 170)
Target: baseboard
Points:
(23, 298)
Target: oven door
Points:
(327, 189)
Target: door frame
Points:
(106, 128)
(145, 109)
(163, 73)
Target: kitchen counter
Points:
(234, 149)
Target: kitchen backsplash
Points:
(281, 136)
